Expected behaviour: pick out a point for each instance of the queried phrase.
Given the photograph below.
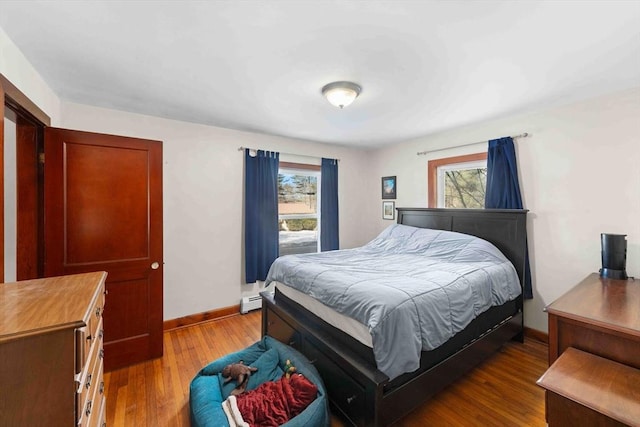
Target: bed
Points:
(348, 364)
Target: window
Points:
(298, 208)
(458, 182)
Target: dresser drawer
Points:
(97, 416)
(90, 412)
(282, 331)
(101, 419)
(95, 317)
(87, 344)
(343, 390)
(90, 378)
(87, 336)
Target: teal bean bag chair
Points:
(207, 391)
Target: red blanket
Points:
(273, 403)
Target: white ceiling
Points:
(424, 66)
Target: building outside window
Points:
(458, 182)
(298, 208)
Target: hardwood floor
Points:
(500, 392)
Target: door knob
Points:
(155, 265)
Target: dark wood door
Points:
(29, 184)
(103, 211)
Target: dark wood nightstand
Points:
(585, 390)
(594, 355)
(599, 316)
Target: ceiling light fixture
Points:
(341, 94)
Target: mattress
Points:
(346, 324)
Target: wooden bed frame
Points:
(363, 394)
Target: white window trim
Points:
(318, 176)
(441, 170)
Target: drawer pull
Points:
(97, 312)
(89, 337)
(101, 354)
(100, 334)
(88, 384)
(351, 399)
(87, 412)
(101, 387)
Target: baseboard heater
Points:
(253, 302)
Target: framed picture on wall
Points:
(389, 187)
(388, 210)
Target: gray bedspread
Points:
(413, 288)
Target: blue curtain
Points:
(329, 230)
(260, 213)
(503, 188)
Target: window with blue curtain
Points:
(261, 213)
(503, 189)
(329, 227)
(299, 208)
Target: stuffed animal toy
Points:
(289, 369)
(240, 373)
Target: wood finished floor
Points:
(500, 392)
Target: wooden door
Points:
(103, 211)
(29, 180)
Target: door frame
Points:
(25, 109)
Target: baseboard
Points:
(192, 319)
(536, 335)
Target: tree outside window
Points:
(458, 182)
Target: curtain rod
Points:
(290, 154)
(420, 153)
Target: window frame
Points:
(432, 172)
(304, 169)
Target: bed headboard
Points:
(505, 228)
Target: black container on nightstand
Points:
(614, 256)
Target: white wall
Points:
(579, 176)
(203, 186)
(19, 71)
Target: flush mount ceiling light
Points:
(341, 94)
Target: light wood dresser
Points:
(51, 357)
